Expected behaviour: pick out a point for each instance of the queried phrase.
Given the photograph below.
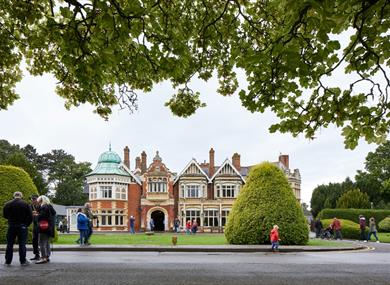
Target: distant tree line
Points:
(55, 173)
(371, 187)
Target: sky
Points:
(39, 118)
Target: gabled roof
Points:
(125, 168)
(193, 161)
(227, 161)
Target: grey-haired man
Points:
(19, 216)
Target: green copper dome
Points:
(109, 157)
(109, 163)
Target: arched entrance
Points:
(158, 219)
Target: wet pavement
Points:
(369, 266)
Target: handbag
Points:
(43, 225)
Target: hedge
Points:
(353, 214)
(13, 179)
(384, 225)
(265, 200)
(349, 229)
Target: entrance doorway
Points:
(158, 218)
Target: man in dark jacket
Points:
(19, 216)
(35, 210)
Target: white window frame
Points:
(222, 190)
(105, 191)
(211, 217)
(224, 216)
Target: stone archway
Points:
(160, 218)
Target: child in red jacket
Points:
(274, 237)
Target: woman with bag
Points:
(46, 224)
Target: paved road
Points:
(363, 267)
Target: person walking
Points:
(90, 216)
(373, 230)
(274, 238)
(82, 226)
(362, 226)
(35, 229)
(132, 224)
(46, 222)
(336, 228)
(19, 216)
(318, 227)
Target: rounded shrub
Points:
(13, 179)
(265, 200)
(349, 229)
(384, 225)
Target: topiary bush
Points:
(13, 179)
(349, 229)
(265, 200)
(384, 225)
(353, 214)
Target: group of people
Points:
(20, 215)
(63, 226)
(191, 226)
(85, 224)
(371, 231)
(334, 229)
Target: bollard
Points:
(174, 240)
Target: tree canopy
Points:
(353, 199)
(103, 52)
(375, 179)
(56, 173)
(326, 196)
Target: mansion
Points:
(202, 191)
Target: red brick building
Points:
(202, 191)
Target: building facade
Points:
(202, 191)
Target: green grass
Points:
(383, 237)
(330, 243)
(143, 239)
(165, 239)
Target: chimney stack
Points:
(143, 162)
(126, 158)
(236, 159)
(137, 162)
(211, 162)
(283, 158)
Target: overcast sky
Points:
(40, 119)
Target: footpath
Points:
(202, 248)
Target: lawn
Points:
(165, 239)
(383, 237)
